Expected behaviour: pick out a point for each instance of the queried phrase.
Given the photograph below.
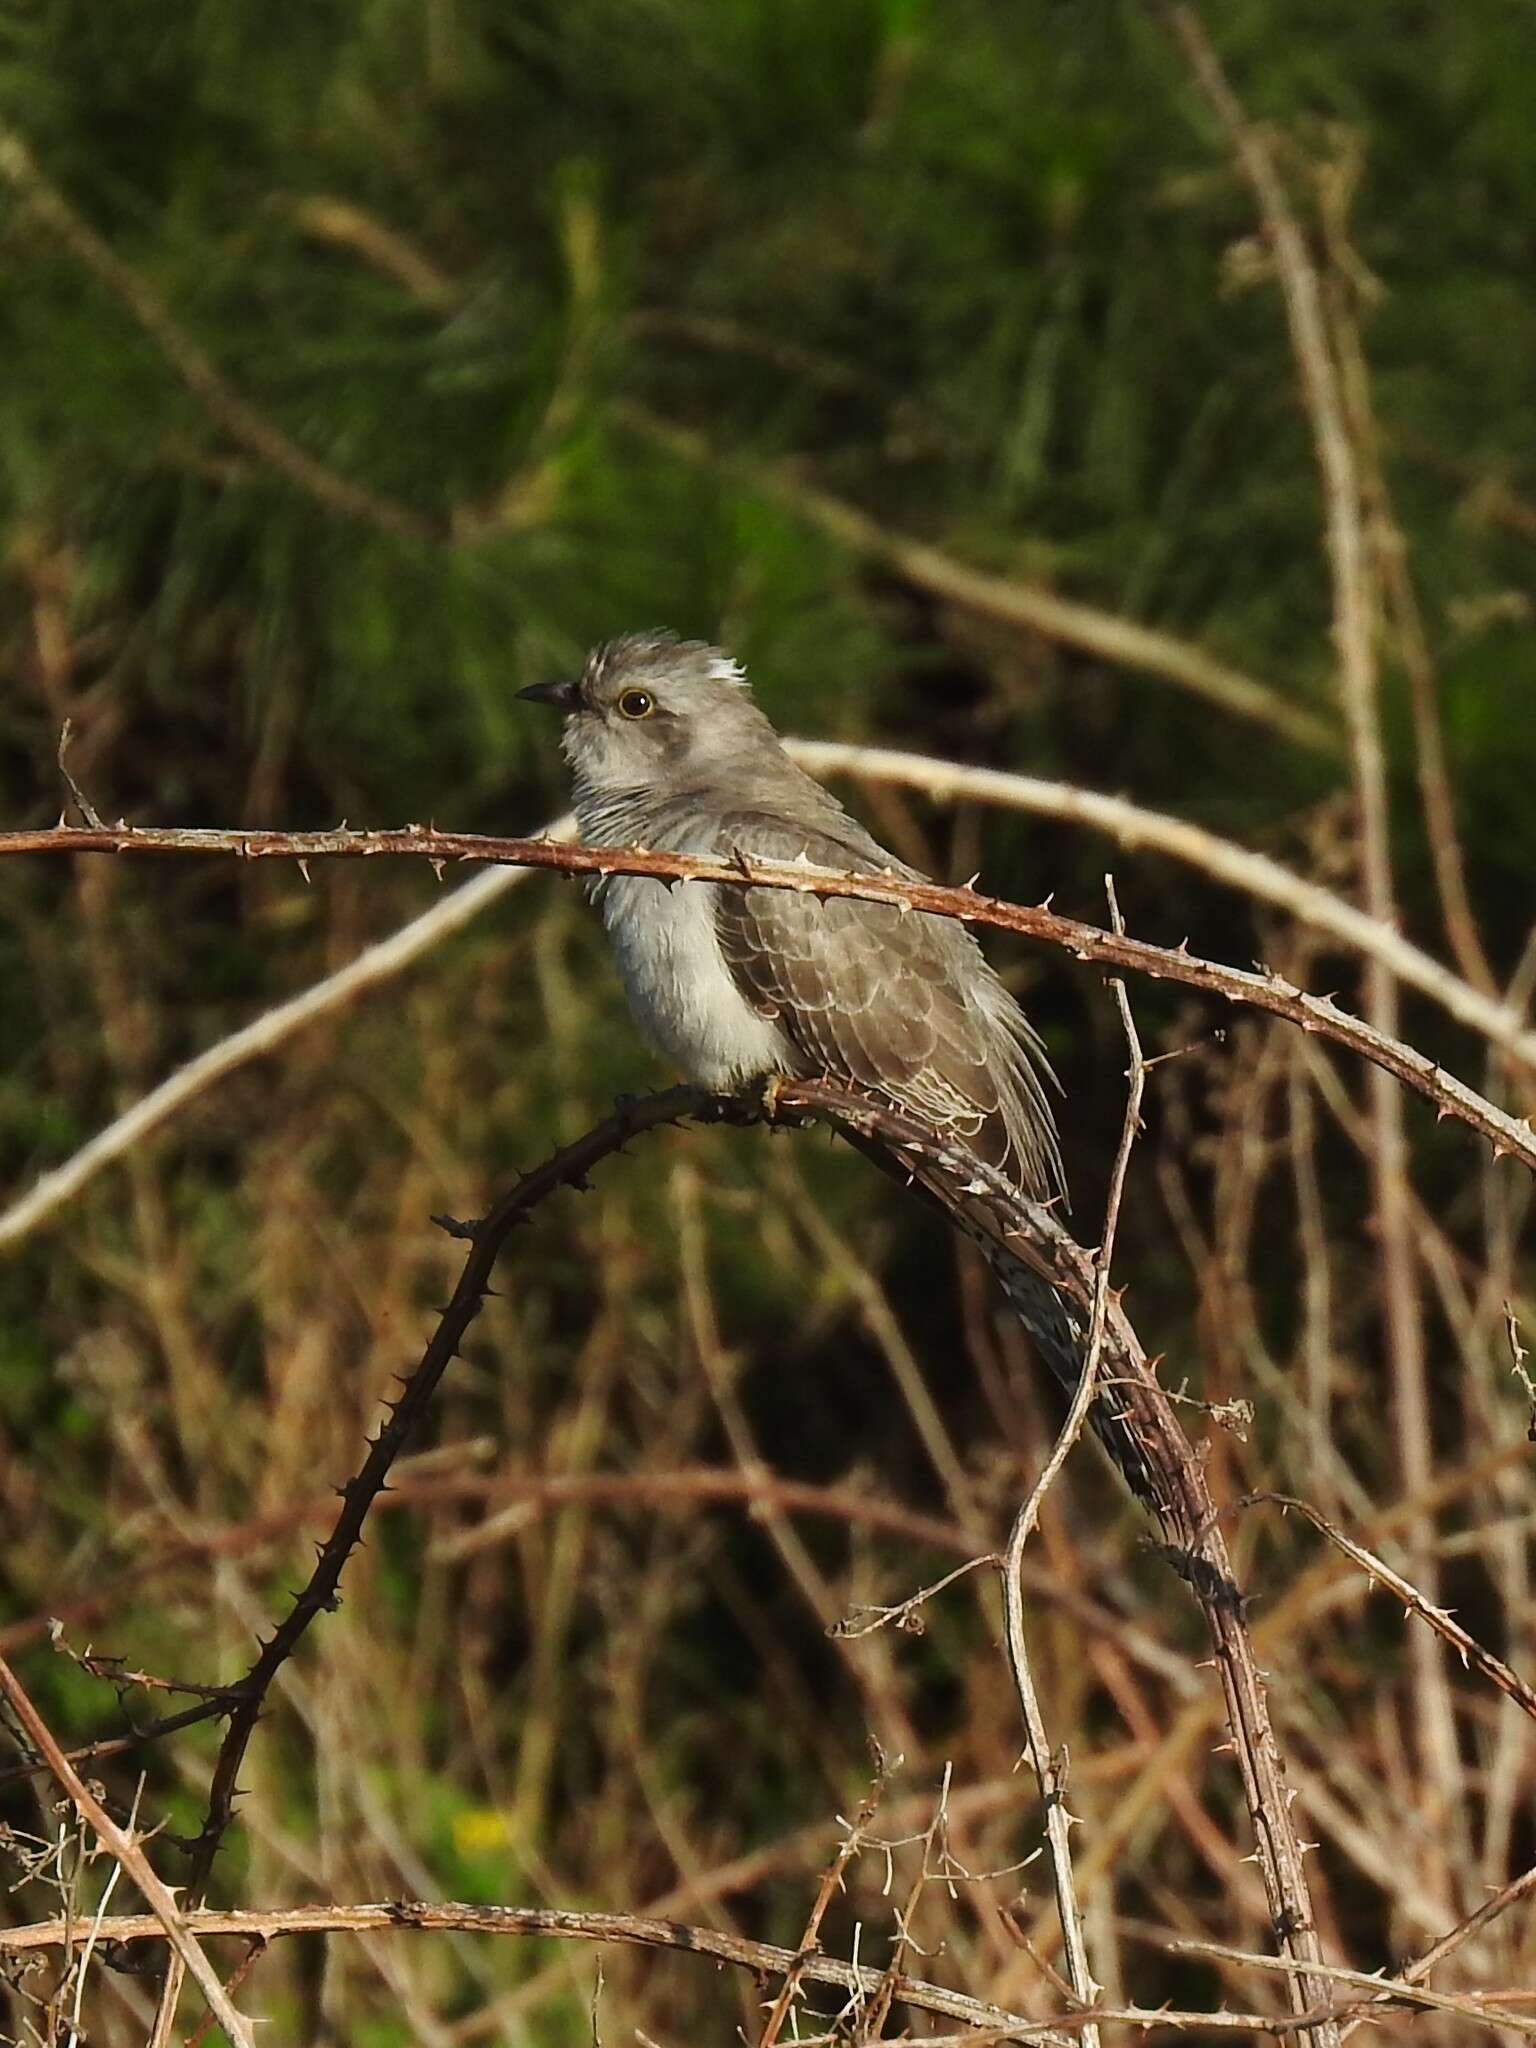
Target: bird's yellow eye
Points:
(636, 703)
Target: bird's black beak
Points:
(559, 696)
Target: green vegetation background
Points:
(980, 270)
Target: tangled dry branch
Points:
(989, 1209)
(985, 1206)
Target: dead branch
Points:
(987, 1207)
(831, 1883)
(1439, 1619)
(539, 1922)
(486, 1238)
(1395, 1991)
(168, 1920)
(1511, 1894)
(1501, 1022)
(1260, 988)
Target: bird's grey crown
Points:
(651, 656)
(733, 983)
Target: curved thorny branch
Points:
(1258, 987)
(486, 1238)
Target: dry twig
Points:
(831, 1883)
(633, 1929)
(1517, 1365)
(1511, 1894)
(1355, 609)
(1051, 1771)
(486, 1240)
(168, 1919)
(1440, 1619)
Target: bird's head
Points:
(650, 710)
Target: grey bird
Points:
(733, 983)
(668, 751)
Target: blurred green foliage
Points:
(966, 260)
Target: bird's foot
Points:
(773, 1110)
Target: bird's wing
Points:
(893, 1000)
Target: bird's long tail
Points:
(1055, 1324)
(1060, 1335)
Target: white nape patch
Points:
(723, 670)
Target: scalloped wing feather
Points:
(896, 1001)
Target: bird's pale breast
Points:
(683, 995)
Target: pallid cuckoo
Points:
(735, 983)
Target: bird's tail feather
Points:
(1060, 1335)
(1055, 1325)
